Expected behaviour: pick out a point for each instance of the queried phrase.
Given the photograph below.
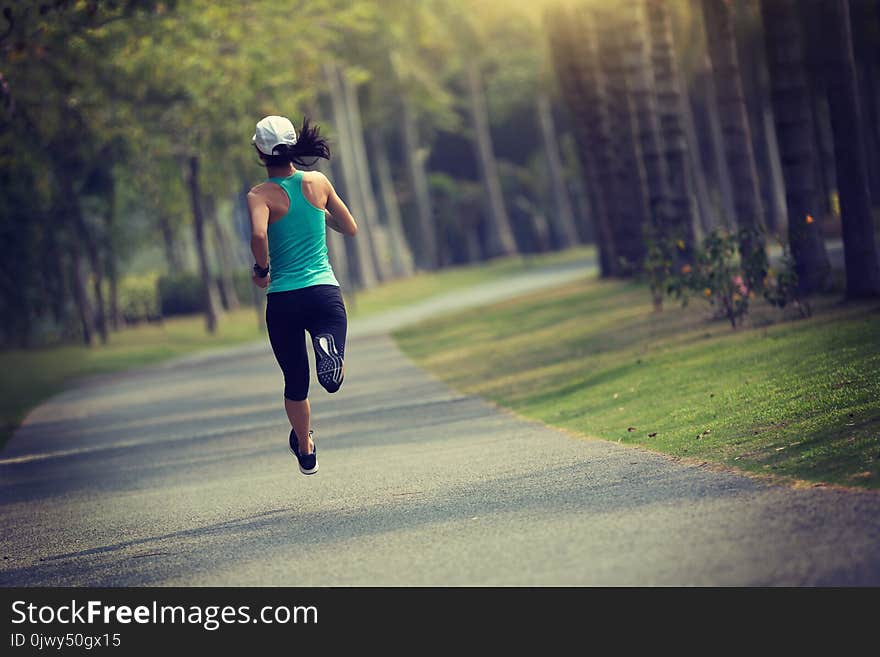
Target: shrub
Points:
(139, 298)
(780, 285)
(180, 294)
(716, 273)
(719, 277)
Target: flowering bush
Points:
(716, 272)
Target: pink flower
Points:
(740, 285)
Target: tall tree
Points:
(360, 258)
(210, 298)
(372, 235)
(415, 155)
(682, 219)
(784, 37)
(865, 21)
(563, 223)
(401, 256)
(575, 58)
(628, 172)
(224, 254)
(859, 241)
(640, 74)
(756, 88)
(500, 240)
(730, 101)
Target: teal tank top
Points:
(298, 242)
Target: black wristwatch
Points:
(259, 272)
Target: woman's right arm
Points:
(340, 218)
(259, 213)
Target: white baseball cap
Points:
(273, 131)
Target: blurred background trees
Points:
(461, 130)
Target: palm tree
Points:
(859, 242)
(681, 221)
(500, 240)
(731, 106)
(563, 224)
(628, 172)
(370, 217)
(575, 61)
(640, 74)
(792, 110)
(362, 267)
(401, 257)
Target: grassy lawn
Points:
(426, 285)
(796, 400)
(28, 377)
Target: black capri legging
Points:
(318, 309)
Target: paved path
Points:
(180, 475)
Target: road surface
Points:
(180, 475)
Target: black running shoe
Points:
(308, 464)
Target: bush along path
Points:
(784, 396)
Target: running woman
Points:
(288, 216)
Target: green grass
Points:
(429, 284)
(796, 400)
(28, 377)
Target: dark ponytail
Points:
(309, 145)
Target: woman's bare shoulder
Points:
(315, 177)
(260, 188)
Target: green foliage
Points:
(139, 298)
(780, 285)
(180, 294)
(717, 272)
(718, 275)
(101, 102)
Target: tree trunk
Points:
(682, 221)
(88, 242)
(730, 101)
(794, 128)
(777, 186)
(225, 256)
(243, 223)
(362, 169)
(81, 296)
(715, 211)
(401, 257)
(859, 242)
(575, 60)
(563, 225)
(116, 318)
(825, 171)
(640, 74)
(415, 156)
(209, 288)
(500, 236)
(336, 251)
(865, 24)
(628, 171)
(172, 254)
(360, 259)
(580, 194)
(756, 88)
